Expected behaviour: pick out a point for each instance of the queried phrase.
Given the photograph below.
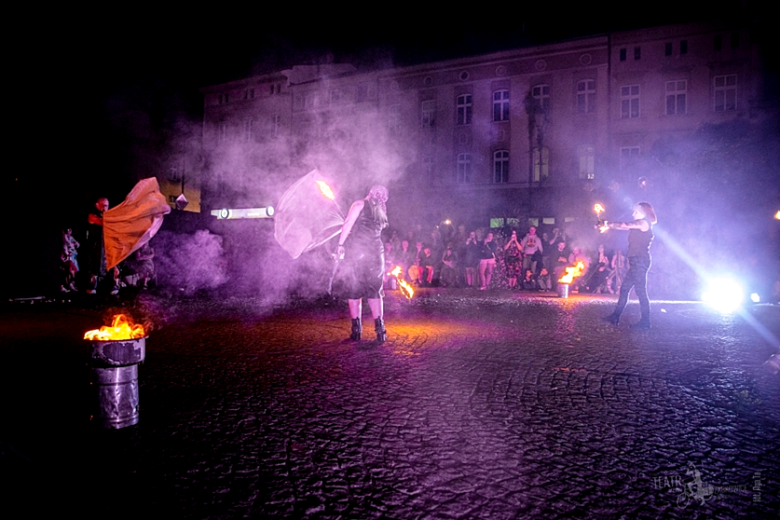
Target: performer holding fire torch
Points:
(640, 236)
(362, 269)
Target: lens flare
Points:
(724, 294)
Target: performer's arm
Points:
(641, 225)
(94, 219)
(352, 216)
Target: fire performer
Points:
(640, 236)
(362, 269)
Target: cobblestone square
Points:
(494, 405)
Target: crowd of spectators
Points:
(487, 258)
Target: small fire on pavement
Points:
(406, 289)
(121, 328)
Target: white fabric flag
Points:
(307, 217)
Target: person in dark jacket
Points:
(640, 236)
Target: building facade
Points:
(517, 136)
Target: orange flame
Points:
(572, 273)
(598, 208)
(121, 328)
(325, 189)
(406, 289)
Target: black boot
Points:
(613, 318)
(379, 327)
(357, 329)
(643, 323)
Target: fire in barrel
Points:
(115, 352)
(564, 281)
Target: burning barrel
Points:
(114, 358)
(566, 280)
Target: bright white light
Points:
(755, 298)
(724, 294)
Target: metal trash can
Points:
(563, 290)
(114, 380)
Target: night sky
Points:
(79, 69)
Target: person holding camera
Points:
(513, 260)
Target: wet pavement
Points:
(492, 405)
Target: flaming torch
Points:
(115, 352)
(600, 224)
(572, 272)
(406, 289)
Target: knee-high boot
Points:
(357, 329)
(379, 327)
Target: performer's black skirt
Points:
(360, 275)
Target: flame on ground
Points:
(325, 190)
(406, 289)
(572, 273)
(121, 328)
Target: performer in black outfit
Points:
(362, 270)
(640, 237)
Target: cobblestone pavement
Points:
(479, 406)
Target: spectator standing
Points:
(70, 265)
(471, 259)
(487, 261)
(532, 249)
(512, 259)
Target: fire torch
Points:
(602, 225)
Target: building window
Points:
(622, 54)
(428, 113)
(683, 46)
(628, 157)
(676, 92)
(275, 124)
(587, 156)
(637, 53)
(248, 129)
(464, 109)
(501, 166)
(541, 93)
(541, 163)
(586, 96)
(463, 172)
(222, 132)
(429, 170)
(501, 105)
(629, 101)
(725, 92)
(668, 49)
